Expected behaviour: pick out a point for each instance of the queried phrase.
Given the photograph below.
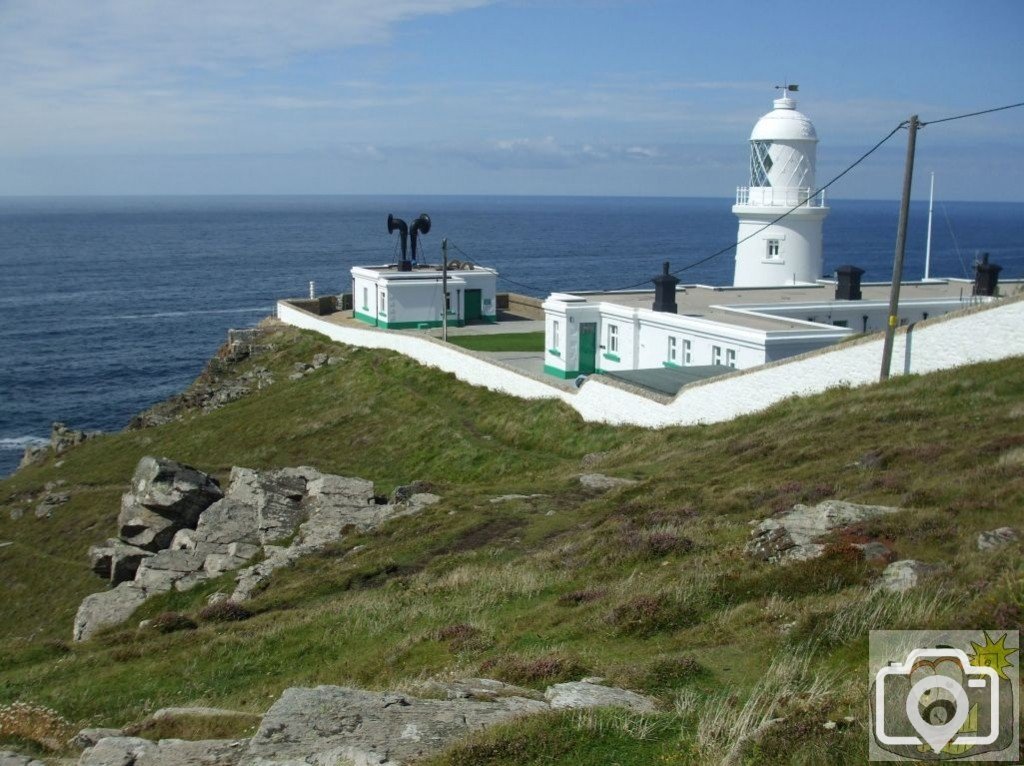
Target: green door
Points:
(588, 347)
(474, 310)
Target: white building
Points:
(783, 156)
(392, 299)
(779, 305)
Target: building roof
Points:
(742, 306)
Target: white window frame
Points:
(673, 349)
(366, 298)
(687, 352)
(730, 358)
(773, 249)
(613, 339)
(555, 333)
(716, 355)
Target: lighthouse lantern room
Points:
(783, 149)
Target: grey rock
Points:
(584, 694)
(63, 438)
(794, 535)
(994, 539)
(296, 376)
(49, 502)
(116, 751)
(166, 496)
(11, 758)
(196, 712)
(134, 751)
(474, 688)
(904, 575)
(185, 539)
(35, 454)
(405, 491)
(16, 513)
(89, 737)
(160, 572)
(602, 483)
(510, 498)
(276, 495)
(116, 561)
(319, 360)
(333, 360)
(328, 724)
(300, 367)
(110, 607)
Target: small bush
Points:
(225, 611)
(585, 596)
(459, 636)
(35, 724)
(171, 622)
(537, 671)
(648, 614)
(664, 673)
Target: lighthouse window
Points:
(673, 350)
(730, 358)
(555, 340)
(613, 339)
(773, 248)
(686, 352)
(760, 163)
(716, 355)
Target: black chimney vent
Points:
(403, 233)
(986, 276)
(665, 291)
(848, 283)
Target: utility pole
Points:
(901, 246)
(444, 289)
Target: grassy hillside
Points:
(646, 586)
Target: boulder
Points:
(16, 513)
(319, 360)
(11, 758)
(63, 438)
(160, 572)
(134, 751)
(994, 539)
(904, 575)
(167, 713)
(405, 491)
(602, 483)
(329, 724)
(89, 737)
(34, 454)
(584, 694)
(49, 502)
(109, 607)
(166, 496)
(795, 534)
(116, 561)
(474, 688)
(276, 497)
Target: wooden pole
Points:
(901, 246)
(444, 289)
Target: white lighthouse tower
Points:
(783, 151)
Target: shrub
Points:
(651, 613)
(459, 636)
(35, 724)
(170, 622)
(536, 671)
(585, 596)
(225, 611)
(664, 673)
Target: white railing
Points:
(769, 196)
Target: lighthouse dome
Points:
(784, 123)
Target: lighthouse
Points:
(783, 150)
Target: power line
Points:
(973, 114)
(458, 249)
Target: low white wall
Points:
(977, 335)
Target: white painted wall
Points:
(799, 237)
(983, 334)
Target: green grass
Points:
(646, 586)
(511, 341)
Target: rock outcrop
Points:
(601, 483)
(590, 693)
(901, 576)
(994, 539)
(796, 534)
(11, 758)
(135, 751)
(166, 496)
(179, 529)
(330, 724)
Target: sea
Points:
(110, 304)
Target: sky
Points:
(592, 97)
